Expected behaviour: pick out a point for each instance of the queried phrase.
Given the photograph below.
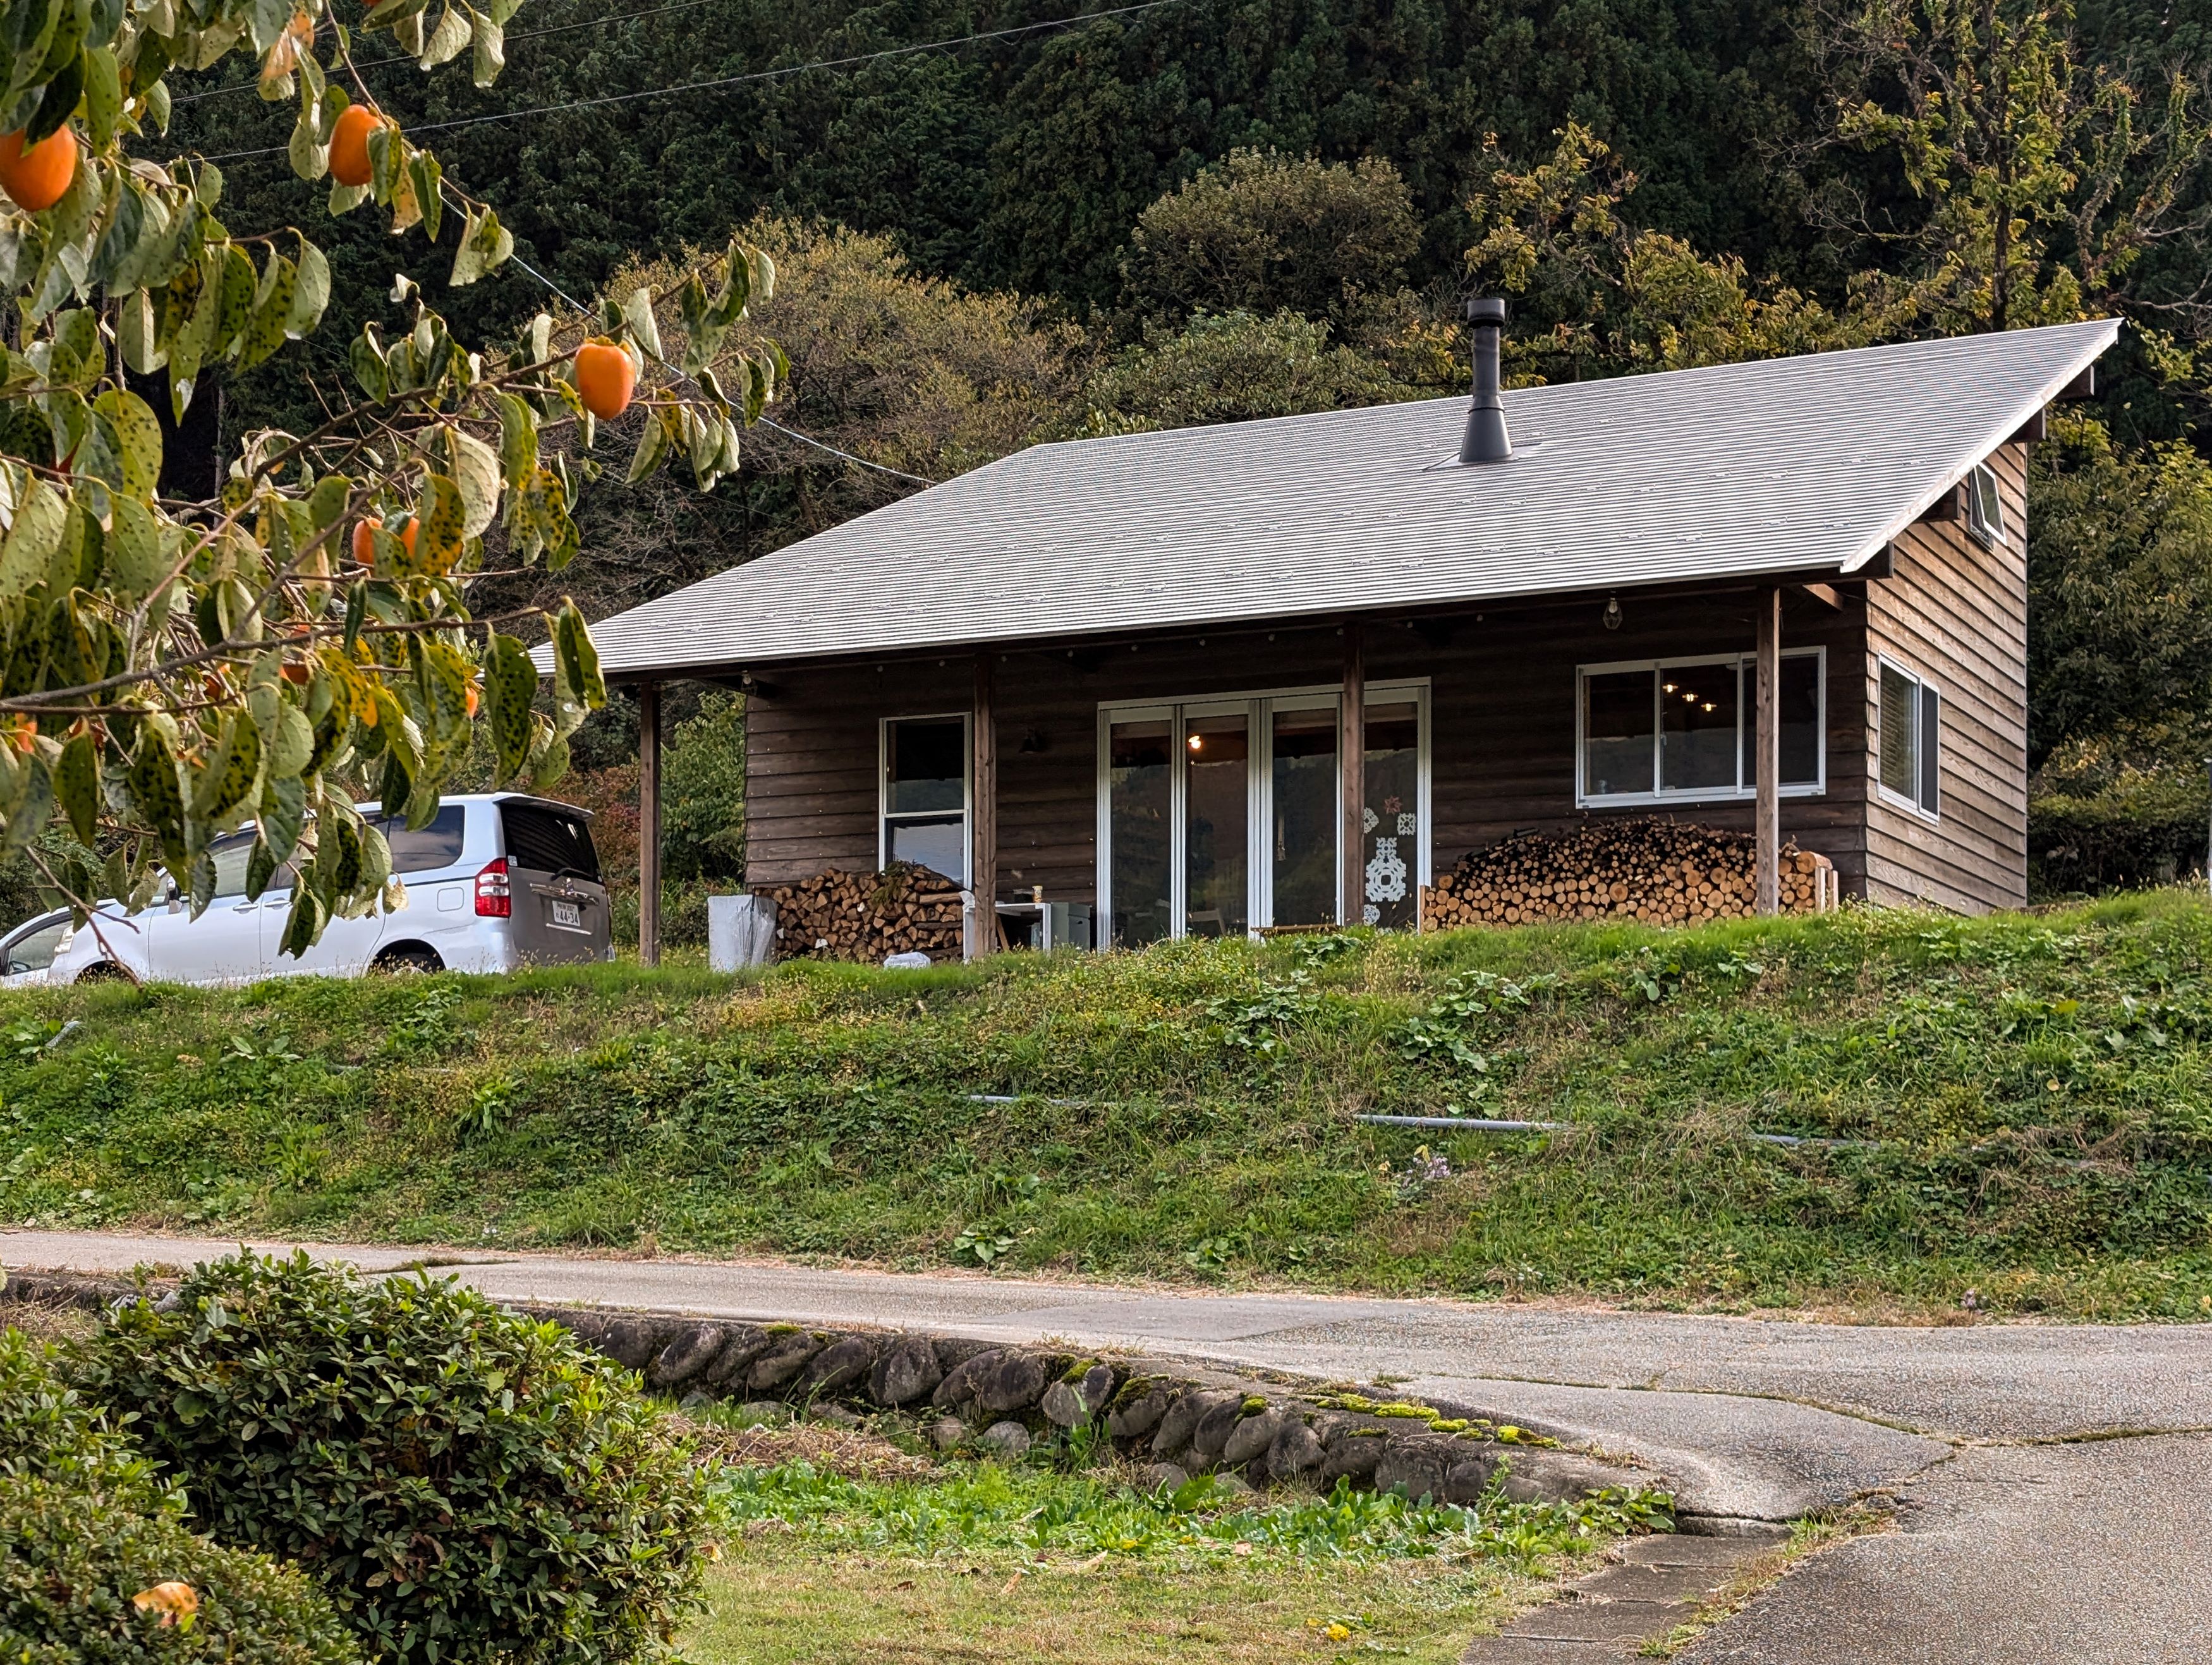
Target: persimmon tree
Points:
(173, 669)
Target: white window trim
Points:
(883, 813)
(1260, 705)
(1585, 798)
(1883, 792)
(1985, 507)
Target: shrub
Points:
(85, 1526)
(465, 1484)
(49, 1433)
(71, 1562)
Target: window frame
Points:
(886, 816)
(1985, 517)
(1922, 741)
(1746, 717)
(1260, 861)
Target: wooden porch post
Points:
(1351, 750)
(983, 824)
(648, 823)
(1767, 753)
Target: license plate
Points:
(569, 913)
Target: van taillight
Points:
(494, 900)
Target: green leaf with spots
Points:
(29, 545)
(152, 781)
(137, 559)
(303, 926)
(234, 305)
(139, 434)
(227, 780)
(311, 294)
(510, 685)
(517, 440)
(272, 312)
(77, 787)
(283, 815)
(444, 519)
(576, 662)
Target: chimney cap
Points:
(1486, 309)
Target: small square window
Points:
(1984, 506)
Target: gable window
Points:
(924, 795)
(1984, 506)
(1659, 730)
(1911, 740)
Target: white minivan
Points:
(495, 882)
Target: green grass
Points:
(2034, 1088)
(1021, 1564)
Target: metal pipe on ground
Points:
(1469, 1124)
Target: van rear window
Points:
(438, 845)
(547, 840)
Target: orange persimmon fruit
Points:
(35, 180)
(364, 546)
(605, 378)
(349, 163)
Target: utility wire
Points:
(408, 57)
(734, 81)
(769, 422)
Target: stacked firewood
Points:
(868, 917)
(1659, 871)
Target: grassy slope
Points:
(2040, 1085)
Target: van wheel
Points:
(409, 960)
(102, 971)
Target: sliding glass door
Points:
(1217, 857)
(1138, 864)
(1218, 816)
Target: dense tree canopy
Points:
(1207, 210)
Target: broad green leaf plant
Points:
(172, 671)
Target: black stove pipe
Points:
(1485, 440)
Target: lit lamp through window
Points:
(1198, 743)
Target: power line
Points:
(880, 468)
(408, 57)
(734, 81)
(790, 433)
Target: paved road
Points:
(2039, 1555)
(2007, 1553)
(1749, 1419)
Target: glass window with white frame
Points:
(925, 794)
(1985, 505)
(1220, 815)
(1909, 740)
(1661, 731)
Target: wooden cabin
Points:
(1124, 674)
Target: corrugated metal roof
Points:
(1799, 464)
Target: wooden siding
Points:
(1503, 692)
(1955, 613)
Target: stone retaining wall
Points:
(1178, 1420)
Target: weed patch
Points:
(2025, 1105)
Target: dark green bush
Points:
(47, 1432)
(465, 1484)
(85, 1526)
(71, 1561)
(2116, 827)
